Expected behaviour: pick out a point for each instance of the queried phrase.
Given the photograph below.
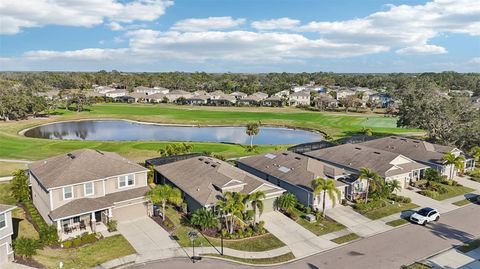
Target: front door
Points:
(98, 216)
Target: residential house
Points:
(204, 180)
(82, 190)
(198, 99)
(103, 89)
(116, 93)
(352, 157)
(283, 94)
(301, 98)
(294, 173)
(139, 96)
(344, 93)
(298, 88)
(325, 101)
(382, 99)
(156, 98)
(222, 99)
(253, 99)
(6, 232)
(150, 91)
(421, 151)
(273, 101)
(238, 95)
(174, 95)
(476, 102)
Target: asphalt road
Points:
(388, 250)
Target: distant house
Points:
(300, 99)
(155, 98)
(383, 99)
(273, 101)
(294, 173)
(139, 96)
(421, 151)
(253, 99)
(6, 232)
(325, 101)
(150, 91)
(222, 99)
(476, 102)
(176, 94)
(238, 95)
(82, 190)
(352, 157)
(116, 93)
(198, 99)
(283, 94)
(344, 93)
(204, 180)
(103, 89)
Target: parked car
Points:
(425, 215)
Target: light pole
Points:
(192, 235)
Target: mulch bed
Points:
(28, 262)
(164, 224)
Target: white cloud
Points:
(18, 14)
(276, 24)
(422, 49)
(210, 23)
(475, 60)
(115, 26)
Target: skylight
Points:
(284, 169)
(270, 156)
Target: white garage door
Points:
(328, 202)
(130, 212)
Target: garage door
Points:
(3, 254)
(328, 202)
(269, 204)
(130, 212)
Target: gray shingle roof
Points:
(203, 177)
(412, 148)
(4, 208)
(81, 166)
(292, 167)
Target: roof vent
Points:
(298, 158)
(376, 152)
(214, 165)
(284, 153)
(284, 169)
(207, 162)
(71, 156)
(358, 148)
(270, 156)
(416, 142)
(201, 159)
(393, 137)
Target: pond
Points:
(123, 130)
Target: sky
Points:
(356, 36)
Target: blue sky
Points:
(240, 36)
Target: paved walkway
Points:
(5, 179)
(150, 240)
(12, 265)
(454, 259)
(356, 222)
(15, 161)
(424, 201)
(301, 241)
(239, 253)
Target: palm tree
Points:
(252, 130)
(327, 186)
(204, 219)
(287, 201)
(370, 176)
(162, 194)
(394, 186)
(455, 161)
(233, 206)
(256, 199)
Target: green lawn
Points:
(259, 243)
(346, 238)
(273, 260)
(87, 256)
(6, 168)
(321, 226)
(15, 146)
(397, 222)
(453, 191)
(387, 210)
(6, 195)
(466, 201)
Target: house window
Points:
(3, 221)
(88, 187)
(76, 219)
(125, 181)
(67, 193)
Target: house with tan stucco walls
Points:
(84, 189)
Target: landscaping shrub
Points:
(308, 210)
(67, 244)
(371, 205)
(48, 235)
(25, 247)
(76, 242)
(291, 214)
(88, 238)
(399, 198)
(432, 174)
(112, 225)
(249, 232)
(429, 193)
(261, 227)
(437, 187)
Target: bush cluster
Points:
(25, 247)
(112, 225)
(429, 193)
(80, 240)
(400, 199)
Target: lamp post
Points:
(192, 235)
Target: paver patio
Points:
(356, 222)
(301, 241)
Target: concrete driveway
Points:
(301, 241)
(150, 240)
(356, 222)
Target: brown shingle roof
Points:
(81, 166)
(412, 148)
(85, 205)
(203, 177)
(291, 167)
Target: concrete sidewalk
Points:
(356, 222)
(239, 253)
(300, 241)
(454, 259)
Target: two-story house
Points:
(84, 189)
(6, 232)
(301, 98)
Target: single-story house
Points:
(273, 101)
(294, 173)
(253, 99)
(221, 100)
(351, 157)
(198, 99)
(82, 190)
(422, 152)
(6, 232)
(116, 93)
(204, 180)
(238, 95)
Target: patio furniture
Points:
(82, 225)
(66, 229)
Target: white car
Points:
(425, 215)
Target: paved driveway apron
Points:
(150, 240)
(356, 222)
(301, 241)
